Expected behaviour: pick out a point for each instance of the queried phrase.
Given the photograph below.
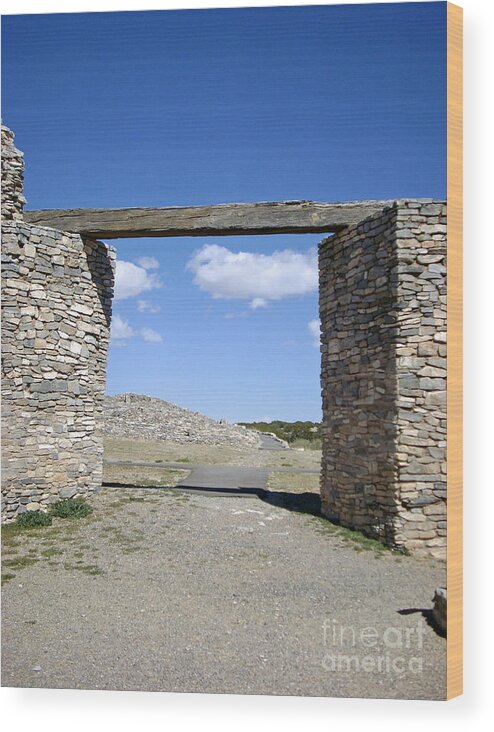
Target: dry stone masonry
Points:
(56, 307)
(383, 316)
(383, 374)
(143, 417)
(12, 178)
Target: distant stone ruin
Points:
(142, 417)
(383, 360)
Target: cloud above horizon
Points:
(259, 278)
(150, 336)
(144, 306)
(120, 330)
(314, 327)
(148, 262)
(131, 280)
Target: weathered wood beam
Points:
(230, 219)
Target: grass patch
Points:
(293, 482)
(127, 542)
(355, 539)
(181, 496)
(33, 519)
(19, 562)
(90, 569)
(118, 503)
(51, 551)
(133, 476)
(73, 508)
(6, 576)
(10, 535)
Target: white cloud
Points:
(120, 329)
(150, 336)
(148, 262)
(251, 276)
(144, 306)
(258, 302)
(314, 327)
(232, 316)
(131, 280)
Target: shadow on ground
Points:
(428, 616)
(308, 503)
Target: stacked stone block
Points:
(383, 321)
(12, 178)
(56, 308)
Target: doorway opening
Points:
(213, 378)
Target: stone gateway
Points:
(383, 354)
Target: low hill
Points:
(143, 417)
(292, 432)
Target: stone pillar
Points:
(383, 376)
(12, 178)
(56, 307)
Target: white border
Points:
(29, 709)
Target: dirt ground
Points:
(142, 475)
(161, 590)
(293, 482)
(171, 452)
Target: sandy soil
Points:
(142, 475)
(294, 482)
(171, 452)
(160, 590)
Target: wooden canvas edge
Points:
(455, 350)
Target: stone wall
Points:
(56, 308)
(12, 178)
(383, 322)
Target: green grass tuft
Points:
(19, 562)
(351, 537)
(71, 508)
(31, 519)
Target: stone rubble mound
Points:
(143, 417)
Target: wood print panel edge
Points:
(455, 349)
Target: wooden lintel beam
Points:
(231, 219)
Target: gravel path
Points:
(266, 442)
(160, 590)
(219, 479)
(225, 478)
(202, 467)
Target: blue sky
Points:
(193, 107)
